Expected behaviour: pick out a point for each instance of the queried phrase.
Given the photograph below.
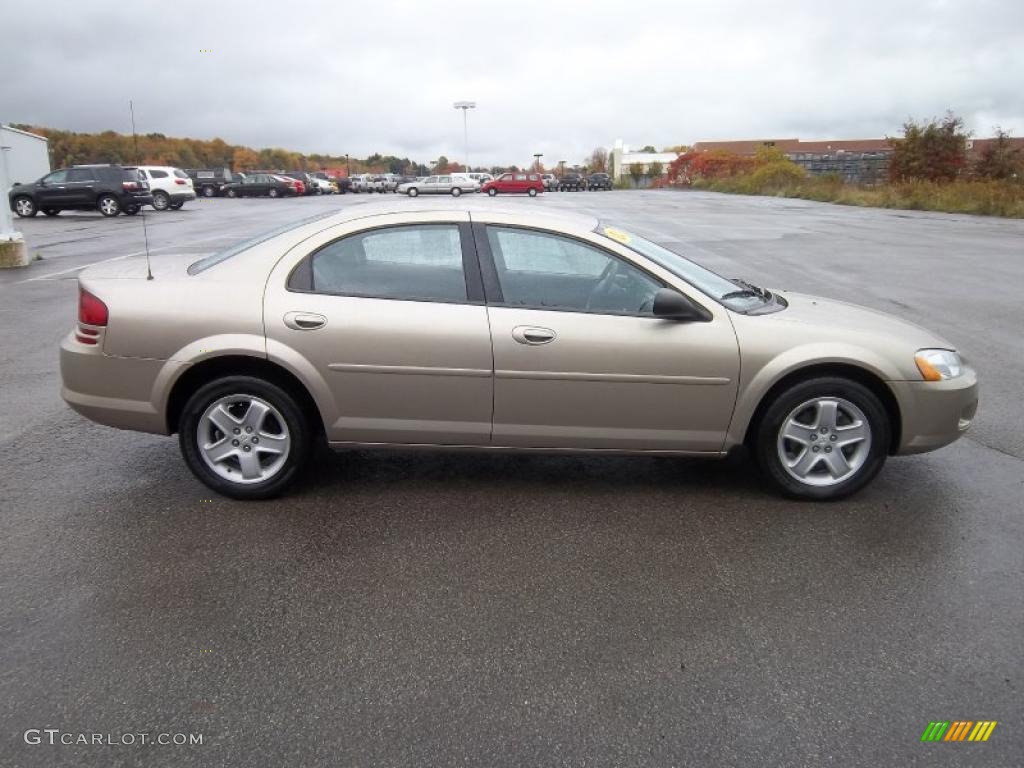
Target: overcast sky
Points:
(552, 76)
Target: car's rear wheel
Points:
(456, 191)
(25, 207)
(177, 206)
(51, 211)
(161, 201)
(130, 210)
(823, 438)
(244, 437)
(209, 191)
(108, 205)
(273, 192)
(532, 192)
(492, 191)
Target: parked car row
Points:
(109, 189)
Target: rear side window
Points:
(80, 174)
(158, 174)
(408, 262)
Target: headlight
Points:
(938, 364)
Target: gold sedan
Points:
(473, 328)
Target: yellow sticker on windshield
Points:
(618, 235)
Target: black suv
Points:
(110, 189)
(209, 182)
(599, 181)
(572, 181)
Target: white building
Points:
(621, 159)
(26, 157)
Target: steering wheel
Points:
(604, 282)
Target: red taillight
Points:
(180, 181)
(91, 311)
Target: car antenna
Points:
(138, 161)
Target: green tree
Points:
(656, 170)
(636, 170)
(648, 148)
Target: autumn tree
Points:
(636, 170)
(935, 150)
(656, 170)
(1000, 159)
(244, 159)
(599, 160)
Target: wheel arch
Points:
(859, 374)
(213, 368)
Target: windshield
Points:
(196, 267)
(739, 297)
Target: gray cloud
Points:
(552, 77)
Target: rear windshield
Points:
(131, 174)
(205, 263)
(180, 174)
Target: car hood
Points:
(840, 315)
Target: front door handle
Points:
(304, 321)
(533, 335)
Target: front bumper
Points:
(935, 413)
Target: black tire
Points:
(299, 432)
(413, 192)
(25, 206)
(532, 192)
(108, 205)
(130, 210)
(177, 206)
(209, 191)
(51, 211)
(765, 443)
(273, 192)
(492, 191)
(456, 191)
(231, 193)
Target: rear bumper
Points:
(114, 391)
(935, 413)
(181, 197)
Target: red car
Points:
(530, 183)
(296, 184)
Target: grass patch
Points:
(984, 198)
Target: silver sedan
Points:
(469, 327)
(451, 184)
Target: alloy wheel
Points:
(243, 439)
(824, 441)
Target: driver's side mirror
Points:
(672, 305)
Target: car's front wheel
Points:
(492, 191)
(823, 438)
(244, 437)
(25, 207)
(413, 191)
(273, 192)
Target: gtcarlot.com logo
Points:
(958, 730)
(55, 736)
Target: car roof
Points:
(479, 211)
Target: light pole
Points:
(536, 160)
(465, 106)
(348, 166)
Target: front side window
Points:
(520, 177)
(506, 177)
(444, 179)
(431, 180)
(57, 177)
(408, 262)
(542, 270)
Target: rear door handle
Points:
(304, 321)
(533, 335)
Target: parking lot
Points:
(422, 609)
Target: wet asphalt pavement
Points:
(431, 609)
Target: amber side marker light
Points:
(927, 369)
